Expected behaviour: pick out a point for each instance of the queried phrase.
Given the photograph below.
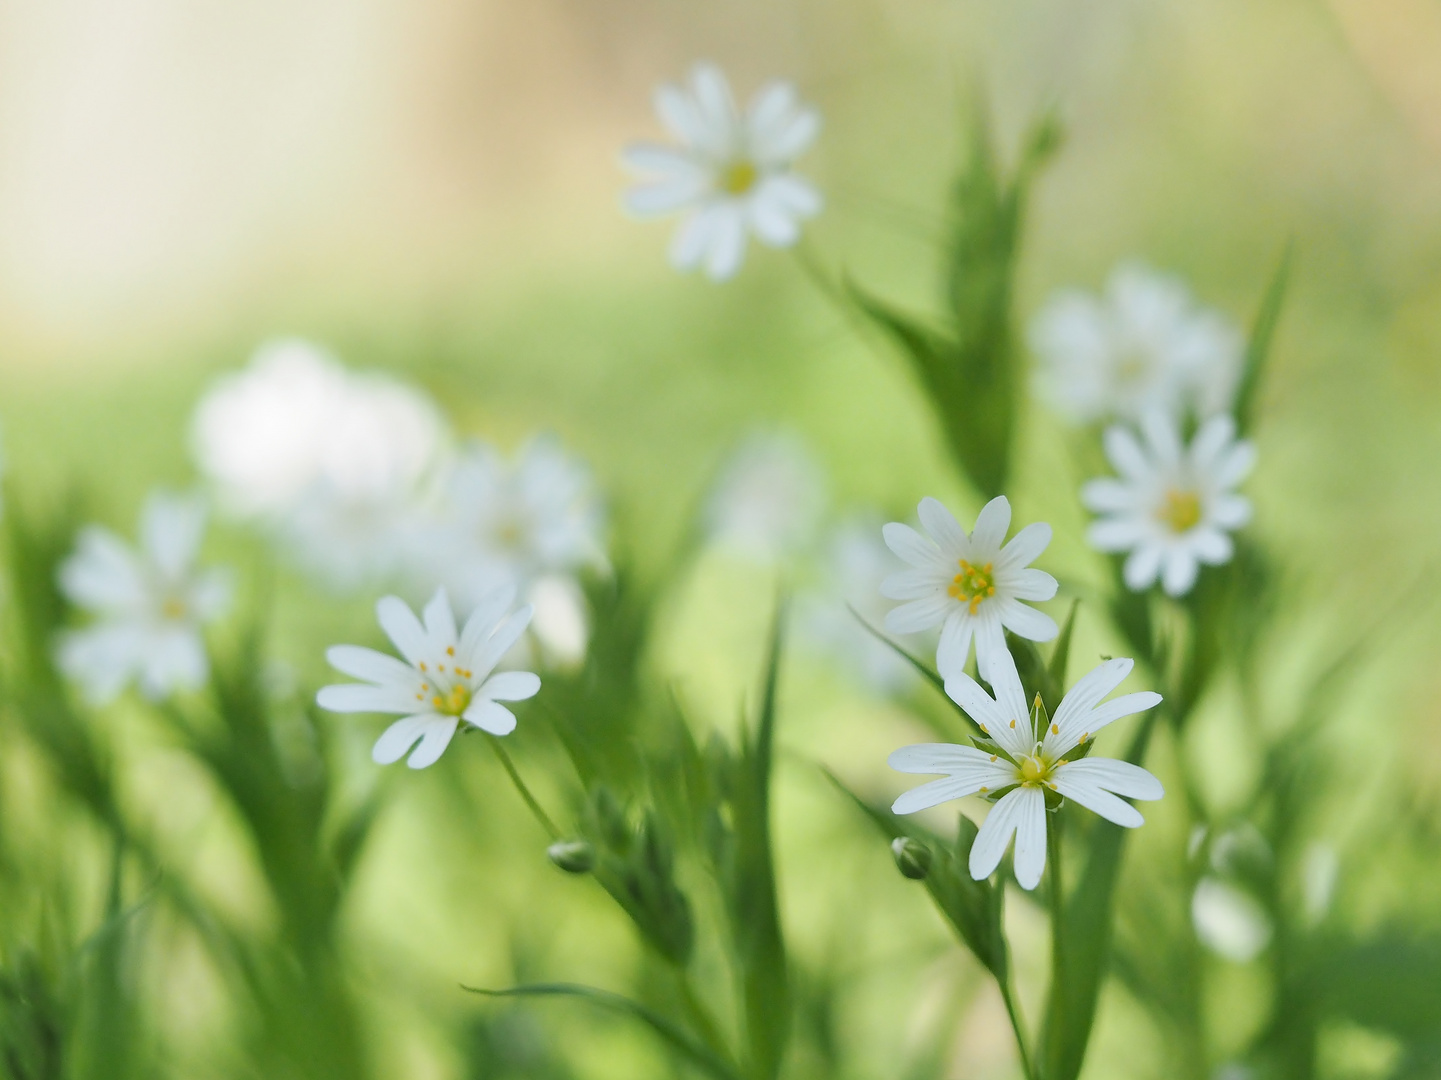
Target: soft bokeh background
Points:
(431, 187)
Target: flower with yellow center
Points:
(1032, 754)
(444, 679)
(1173, 506)
(150, 604)
(732, 172)
(970, 584)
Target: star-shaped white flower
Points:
(1173, 505)
(731, 173)
(970, 586)
(150, 604)
(445, 678)
(1146, 344)
(1027, 762)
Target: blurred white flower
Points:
(856, 563)
(767, 502)
(327, 458)
(731, 173)
(504, 521)
(149, 604)
(969, 585)
(1173, 505)
(445, 678)
(1029, 761)
(1229, 922)
(1145, 345)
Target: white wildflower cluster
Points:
(1148, 359)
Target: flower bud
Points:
(913, 858)
(572, 856)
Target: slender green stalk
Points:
(1014, 1012)
(1058, 899)
(530, 800)
(700, 1016)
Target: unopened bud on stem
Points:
(572, 856)
(913, 858)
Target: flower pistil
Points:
(973, 584)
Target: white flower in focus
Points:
(1145, 345)
(1028, 762)
(768, 499)
(1173, 506)
(149, 604)
(1228, 921)
(731, 173)
(444, 678)
(969, 585)
(329, 459)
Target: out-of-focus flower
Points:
(731, 173)
(329, 459)
(1145, 345)
(1228, 921)
(767, 503)
(445, 678)
(1029, 759)
(150, 604)
(856, 563)
(1173, 505)
(969, 585)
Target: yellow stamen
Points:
(1181, 512)
(973, 584)
(1055, 729)
(173, 608)
(450, 650)
(983, 791)
(1013, 723)
(993, 757)
(738, 177)
(983, 729)
(453, 703)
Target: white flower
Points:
(1144, 345)
(150, 605)
(443, 679)
(1173, 505)
(1228, 921)
(329, 459)
(1028, 762)
(731, 173)
(970, 586)
(767, 502)
(513, 521)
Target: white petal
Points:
(713, 97)
(990, 637)
(1010, 697)
(433, 742)
(912, 585)
(919, 615)
(1236, 465)
(990, 531)
(500, 642)
(1107, 495)
(399, 737)
(1077, 724)
(361, 663)
(771, 220)
(944, 529)
(1116, 534)
(693, 237)
(770, 108)
(1025, 621)
(995, 835)
(402, 627)
(939, 758)
(101, 658)
(666, 196)
(440, 622)
(666, 160)
(1125, 453)
(1209, 442)
(1083, 790)
(483, 620)
(978, 705)
(357, 697)
(1121, 777)
(1231, 511)
(1142, 567)
(490, 716)
(1091, 688)
(171, 528)
(510, 686)
(1179, 572)
(727, 244)
(1030, 836)
(1162, 437)
(911, 547)
(935, 793)
(104, 574)
(174, 660)
(954, 648)
(1028, 584)
(784, 141)
(792, 193)
(1211, 546)
(1024, 547)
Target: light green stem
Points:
(1013, 1011)
(530, 800)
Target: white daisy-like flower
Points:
(969, 585)
(1173, 505)
(150, 604)
(329, 460)
(444, 678)
(1146, 344)
(732, 172)
(767, 501)
(1029, 762)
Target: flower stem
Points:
(1013, 1011)
(530, 801)
(1058, 899)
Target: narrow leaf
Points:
(1263, 332)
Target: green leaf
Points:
(1263, 333)
(671, 1033)
(1055, 688)
(922, 668)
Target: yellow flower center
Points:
(1181, 511)
(738, 177)
(1035, 770)
(973, 584)
(173, 608)
(453, 703)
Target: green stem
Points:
(701, 1017)
(828, 287)
(530, 801)
(1013, 1011)
(1057, 897)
